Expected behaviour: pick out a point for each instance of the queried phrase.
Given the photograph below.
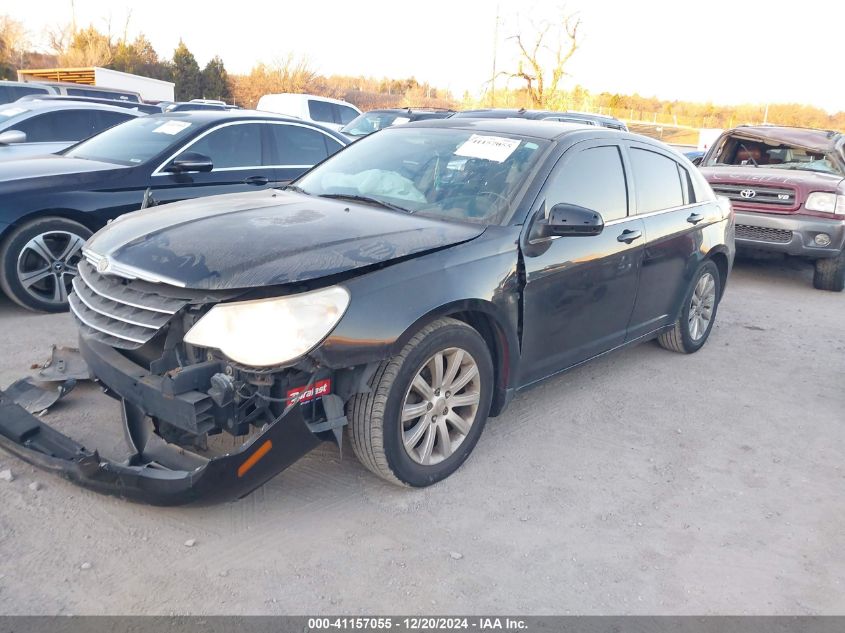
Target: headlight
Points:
(825, 202)
(269, 332)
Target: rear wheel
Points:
(427, 408)
(830, 273)
(39, 260)
(698, 313)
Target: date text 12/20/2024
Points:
(417, 624)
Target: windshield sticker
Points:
(10, 112)
(400, 120)
(495, 148)
(172, 127)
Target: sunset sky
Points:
(725, 51)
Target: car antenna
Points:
(748, 151)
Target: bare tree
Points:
(544, 54)
(14, 41)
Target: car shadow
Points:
(774, 268)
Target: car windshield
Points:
(736, 150)
(373, 122)
(445, 173)
(135, 141)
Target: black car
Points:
(375, 120)
(406, 288)
(50, 205)
(45, 126)
(582, 118)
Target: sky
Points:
(724, 51)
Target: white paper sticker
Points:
(400, 120)
(172, 127)
(494, 148)
(10, 112)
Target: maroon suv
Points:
(787, 187)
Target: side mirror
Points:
(570, 220)
(189, 161)
(12, 136)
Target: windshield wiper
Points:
(366, 199)
(295, 189)
(747, 151)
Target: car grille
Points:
(119, 312)
(761, 234)
(779, 196)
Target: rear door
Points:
(295, 148)
(674, 219)
(239, 152)
(580, 291)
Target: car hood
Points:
(18, 172)
(799, 179)
(247, 240)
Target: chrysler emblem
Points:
(103, 265)
(748, 193)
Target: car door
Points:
(295, 148)
(238, 154)
(674, 220)
(580, 291)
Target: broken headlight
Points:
(268, 332)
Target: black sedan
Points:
(405, 289)
(50, 205)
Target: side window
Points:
(594, 178)
(297, 145)
(658, 181)
(110, 119)
(232, 146)
(321, 111)
(61, 125)
(344, 114)
(13, 93)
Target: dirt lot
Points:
(647, 482)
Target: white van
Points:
(332, 113)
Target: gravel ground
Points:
(644, 483)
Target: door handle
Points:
(695, 218)
(257, 180)
(629, 236)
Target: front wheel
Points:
(830, 273)
(39, 260)
(427, 407)
(698, 313)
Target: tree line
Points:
(538, 69)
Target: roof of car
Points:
(531, 114)
(203, 117)
(811, 138)
(548, 130)
(36, 104)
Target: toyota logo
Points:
(748, 193)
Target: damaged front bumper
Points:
(158, 472)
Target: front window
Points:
(738, 150)
(373, 122)
(445, 173)
(135, 141)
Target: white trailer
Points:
(148, 88)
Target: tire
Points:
(21, 255)
(830, 273)
(683, 337)
(376, 429)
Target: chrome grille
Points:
(780, 196)
(118, 312)
(762, 234)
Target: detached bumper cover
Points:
(798, 233)
(156, 472)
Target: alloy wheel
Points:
(48, 263)
(440, 406)
(701, 306)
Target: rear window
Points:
(321, 111)
(102, 94)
